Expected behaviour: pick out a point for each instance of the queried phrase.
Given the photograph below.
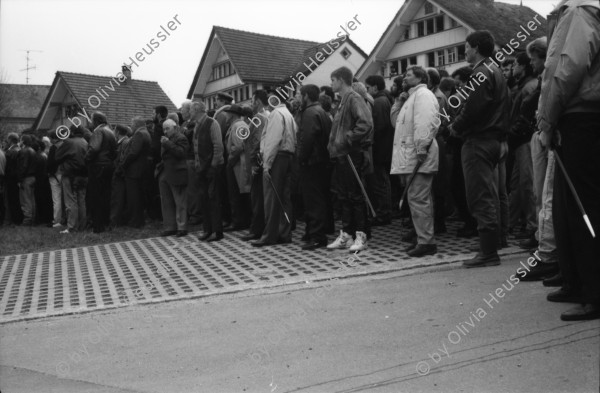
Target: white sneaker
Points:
(57, 225)
(65, 231)
(343, 241)
(360, 243)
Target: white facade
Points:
(428, 38)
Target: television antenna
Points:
(26, 69)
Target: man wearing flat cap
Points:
(224, 100)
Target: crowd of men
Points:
(348, 151)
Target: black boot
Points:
(488, 254)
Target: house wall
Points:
(321, 75)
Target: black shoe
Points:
(554, 281)
(167, 233)
(284, 241)
(467, 232)
(218, 236)
(584, 312)
(260, 243)
(423, 249)
(529, 244)
(305, 238)
(564, 296)
(314, 245)
(541, 270)
(205, 236)
(249, 237)
(411, 247)
(482, 260)
(181, 233)
(229, 228)
(523, 235)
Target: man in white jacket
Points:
(414, 144)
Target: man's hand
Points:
(550, 140)
(403, 96)
(163, 139)
(267, 175)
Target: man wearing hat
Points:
(224, 100)
(238, 169)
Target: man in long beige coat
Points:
(414, 144)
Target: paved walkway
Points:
(162, 269)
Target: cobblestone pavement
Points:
(114, 275)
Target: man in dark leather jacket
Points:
(313, 136)
(482, 124)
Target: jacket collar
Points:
(417, 87)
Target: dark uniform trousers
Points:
(314, 187)
(210, 182)
(118, 201)
(578, 251)
(480, 157)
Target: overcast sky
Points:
(97, 36)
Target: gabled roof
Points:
(261, 57)
(23, 101)
(130, 98)
(503, 20)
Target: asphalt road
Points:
(434, 331)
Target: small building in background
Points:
(75, 96)
(19, 106)
(240, 62)
(432, 33)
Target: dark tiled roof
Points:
(133, 98)
(22, 100)
(261, 57)
(501, 19)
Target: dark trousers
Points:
(314, 190)
(224, 193)
(354, 208)
(480, 158)
(440, 187)
(118, 201)
(258, 209)
(150, 193)
(100, 177)
(578, 252)
(276, 226)
(239, 203)
(14, 212)
(380, 191)
(43, 200)
(135, 201)
(458, 188)
(210, 199)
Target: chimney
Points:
(127, 72)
